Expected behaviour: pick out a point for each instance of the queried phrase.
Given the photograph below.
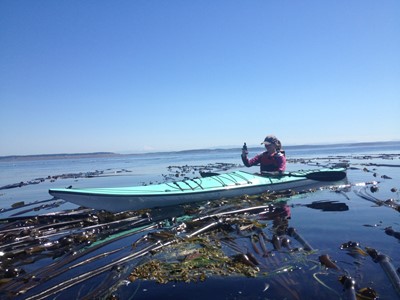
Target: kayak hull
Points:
(194, 190)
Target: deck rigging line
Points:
(194, 180)
(177, 186)
(229, 176)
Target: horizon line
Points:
(109, 153)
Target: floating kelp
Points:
(353, 249)
(93, 254)
(363, 193)
(293, 232)
(367, 293)
(52, 178)
(326, 261)
(387, 266)
(390, 231)
(30, 237)
(349, 287)
(190, 170)
(199, 249)
(350, 293)
(196, 265)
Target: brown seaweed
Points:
(326, 261)
(244, 237)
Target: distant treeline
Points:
(339, 145)
(298, 147)
(194, 151)
(57, 156)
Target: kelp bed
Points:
(245, 241)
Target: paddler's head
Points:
(271, 143)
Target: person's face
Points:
(270, 147)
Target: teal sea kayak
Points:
(212, 187)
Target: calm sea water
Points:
(363, 222)
(147, 168)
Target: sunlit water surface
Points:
(362, 221)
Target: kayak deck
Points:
(192, 190)
(228, 180)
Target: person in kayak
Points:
(272, 160)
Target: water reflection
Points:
(268, 246)
(327, 205)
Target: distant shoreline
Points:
(57, 156)
(112, 154)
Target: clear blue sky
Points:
(126, 76)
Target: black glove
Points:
(244, 150)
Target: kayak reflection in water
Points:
(271, 160)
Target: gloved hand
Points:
(244, 150)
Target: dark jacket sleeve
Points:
(251, 162)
